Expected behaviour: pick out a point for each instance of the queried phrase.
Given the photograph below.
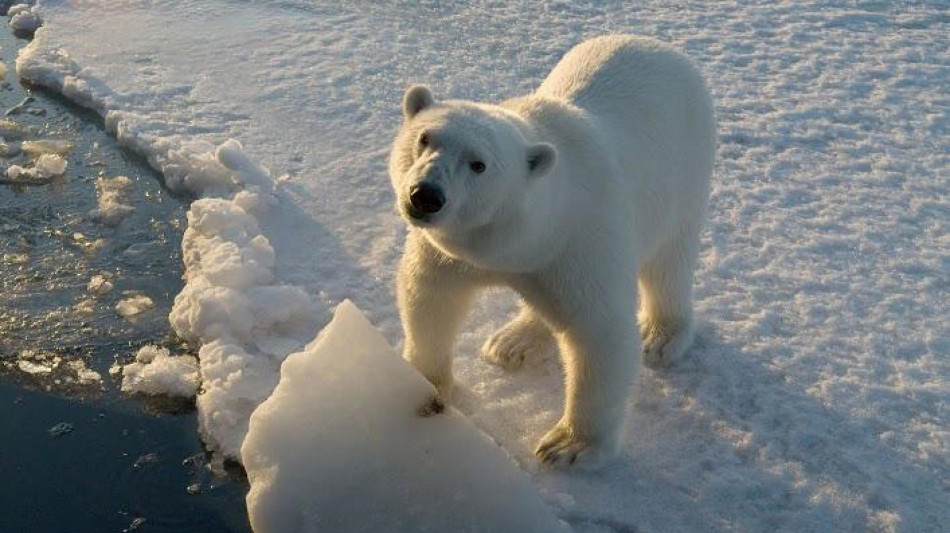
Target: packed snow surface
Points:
(339, 446)
(817, 396)
(156, 372)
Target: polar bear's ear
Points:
(417, 98)
(541, 159)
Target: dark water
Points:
(75, 454)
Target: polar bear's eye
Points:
(477, 167)
(424, 140)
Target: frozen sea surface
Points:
(818, 394)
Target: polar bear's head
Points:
(460, 166)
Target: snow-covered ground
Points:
(818, 395)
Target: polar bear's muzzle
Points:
(425, 199)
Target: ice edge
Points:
(245, 320)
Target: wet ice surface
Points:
(63, 277)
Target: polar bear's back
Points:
(634, 82)
(654, 114)
(651, 102)
(613, 71)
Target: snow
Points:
(60, 429)
(8, 149)
(67, 371)
(84, 374)
(156, 372)
(16, 9)
(818, 394)
(19, 173)
(16, 258)
(114, 200)
(339, 446)
(133, 305)
(46, 146)
(99, 285)
(33, 368)
(50, 165)
(24, 19)
(85, 307)
(46, 166)
(245, 321)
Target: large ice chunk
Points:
(338, 446)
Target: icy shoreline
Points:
(245, 320)
(62, 274)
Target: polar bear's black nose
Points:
(426, 199)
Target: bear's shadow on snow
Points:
(718, 441)
(723, 433)
(312, 256)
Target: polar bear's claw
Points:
(562, 448)
(433, 406)
(663, 345)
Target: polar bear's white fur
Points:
(581, 197)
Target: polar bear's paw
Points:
(435, 403)
(431, 407)
(519, 340)
(665, 343)
(563, 449)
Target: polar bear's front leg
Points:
(600, 348)
(434, 295)
(599, 374)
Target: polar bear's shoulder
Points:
(554, 120)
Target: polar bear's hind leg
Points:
(526, 336)
(666, 308)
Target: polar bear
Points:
(586, 197)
